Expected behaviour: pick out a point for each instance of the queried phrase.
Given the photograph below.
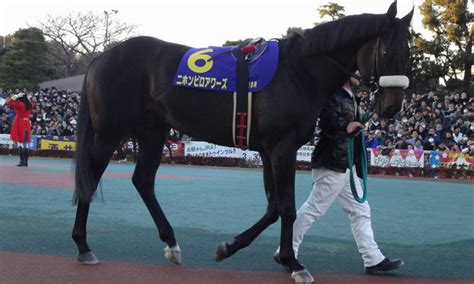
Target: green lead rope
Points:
(350, 159)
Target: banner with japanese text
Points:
(449, 158)
(397, 158)
(304, 153)
(62, 143)
(204, 149)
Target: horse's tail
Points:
(85, 184)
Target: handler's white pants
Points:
(329, 185)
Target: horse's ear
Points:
(391, 13)
(408, 17)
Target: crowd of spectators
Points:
(425, 122)
(54, 112)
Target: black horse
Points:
(128, 91)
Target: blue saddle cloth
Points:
(215, 68)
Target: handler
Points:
(331, 181)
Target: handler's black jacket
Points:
(332, 148)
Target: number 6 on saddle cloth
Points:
(238, 70)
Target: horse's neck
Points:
(318, 76)
(330, 71)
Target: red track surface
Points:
(59, 180)
(29, 268)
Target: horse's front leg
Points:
(271, 216)
(283, 161)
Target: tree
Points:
(332, 10)
(26, 62)
(422, 69)
(83, 36)
(293, 30)
(451, 45)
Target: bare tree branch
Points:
(84, 34)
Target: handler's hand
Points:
(354, 127)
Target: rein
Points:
(351, 152)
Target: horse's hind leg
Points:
(149, 158)
(101, 151)
(271, 216)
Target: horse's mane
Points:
(341, 33)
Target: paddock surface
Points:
(427, 223)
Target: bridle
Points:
(373, 85)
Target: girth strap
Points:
(242, 104)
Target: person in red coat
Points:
(21, 128)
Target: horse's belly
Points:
(203, 115)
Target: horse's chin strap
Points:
(394, 81)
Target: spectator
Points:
(379, 136)
(392, 132)
(457, 135)
(418, 117)
(383, 126)
(371, 141)
(414, 137)
(448, 140)
(439, 132)
(422, 130)
(418, 145)
(5, 124)
(375, 123)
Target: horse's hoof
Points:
(173, 254)
(302, 277)
(221, 252)
(87, 258)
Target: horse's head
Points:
(383, 61)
